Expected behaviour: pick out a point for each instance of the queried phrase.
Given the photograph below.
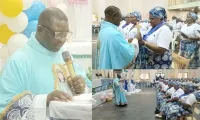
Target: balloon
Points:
(32, 26)
(11, 8)
(62, 7)
(17, 24)
(5, 33)
(27, 4)
(2, 19)
(16, 41)
(103, 99)
(34, 11)
(110, 94)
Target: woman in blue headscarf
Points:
(154, 46)
(119, 93)
(189, 44)
(125, 25)
(183, 107)
(135, 18)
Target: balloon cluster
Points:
(106, 97)
(18, 19)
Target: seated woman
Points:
(183, 106)
(170, 108)
(163, 103)
(118, 91)
(154, 52)
(189, 45)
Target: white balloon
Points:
(17, 24)
(27, 4)
(62, 7)
(15, 42)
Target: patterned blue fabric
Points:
(149, 60)
(177, 110)
(137, 15)
(190, 50)
(19, 108)
(158, 12)
(193, 15)
(197, 95)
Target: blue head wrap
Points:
(189, 87)
(197, 95)
(178, 84)
(158, 12)
(137, 15)
(193, 15)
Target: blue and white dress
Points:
(161, 36)
(190, 48)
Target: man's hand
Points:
(58, 96)
(78, 84)
(130, 40)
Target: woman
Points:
(190, 36)
(119, 93)
(135, 18)
(154, 51)
(125, 26)
(184, 105)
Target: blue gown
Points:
(120, 97)
(115, 51)
(31, 69)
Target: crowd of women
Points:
(154, 37)
(176, 98)
(160, 34)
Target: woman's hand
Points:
(183, 34)
(138, 36)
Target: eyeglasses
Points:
(58, 35)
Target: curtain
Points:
(80, 18)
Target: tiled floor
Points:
(140, 107)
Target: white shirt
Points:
(189, 99)
(161, 37)
(125, 30)
(177, 93)
(178, 26)
(165, 87)
(171, 91)
(191, 31)
(133, 32)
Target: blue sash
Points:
(153, 30)
(125, 25)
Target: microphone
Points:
(68, 61)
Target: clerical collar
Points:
(37, 46)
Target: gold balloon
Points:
(11, 8)
(5, 34)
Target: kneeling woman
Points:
(119, 92)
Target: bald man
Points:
(29, 79)
(115, 51)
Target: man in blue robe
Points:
(115, 51)
(27, 83)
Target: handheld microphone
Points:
(68, 61)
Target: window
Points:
(182, 75)
(145, 76)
